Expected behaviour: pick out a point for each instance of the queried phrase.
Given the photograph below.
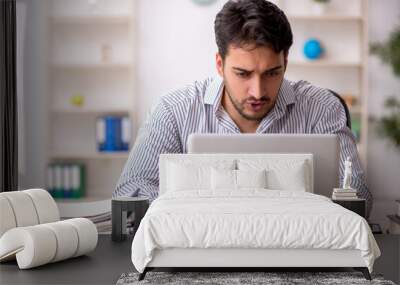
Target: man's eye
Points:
(242, 74)
(272, 74)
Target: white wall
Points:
(383, 157)
(176, 46)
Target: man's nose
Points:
(256, 88)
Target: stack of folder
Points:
(66, 180)
(344, 194)
(113, 133)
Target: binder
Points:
(113, 140)
(67, 190)
(113, 133)
(125, 132)
(58, 181)
(50, 179)
(78, 181)
(100, 134)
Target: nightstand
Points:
(358, 206)
(121, 208)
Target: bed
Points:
(247, 210)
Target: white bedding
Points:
(251, 218)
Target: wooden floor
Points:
(106, 264)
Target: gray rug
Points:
(229, 278)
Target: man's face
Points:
(252, 78)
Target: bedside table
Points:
(121, 208)
(358, 206)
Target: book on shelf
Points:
(113, 133)
(66, 180)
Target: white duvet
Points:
(252, 218)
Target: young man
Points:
(250, 96)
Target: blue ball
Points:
(312, 49)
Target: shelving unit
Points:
(343, 31)
(91, 54)
(93, 155)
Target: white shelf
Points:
(324, 63)
(91, 19)
(92, 65)
(91, 155)
(91, 54)
(89, 111)
(326, 17)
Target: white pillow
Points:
(223, 179)
(291, 178)
(226, 179)
(251, 178)
(282, 174)
(187, 177)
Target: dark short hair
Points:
(257, 22)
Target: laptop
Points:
(324, 147)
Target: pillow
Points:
(227, 179)
(251, 178)
(223, 179)
(291, 178)
(187, 177)
(281, 174)
(193, 175)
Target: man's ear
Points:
(219, 62)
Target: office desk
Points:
(104, 265)
(111, 259)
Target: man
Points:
(250, 96)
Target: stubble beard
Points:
(239, 107)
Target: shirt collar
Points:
(285, 98)
(286, 95)
(213, 93)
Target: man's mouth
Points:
(256, 106)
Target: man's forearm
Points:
(137, 187)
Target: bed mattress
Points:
(250, 219)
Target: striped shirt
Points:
(300, 108)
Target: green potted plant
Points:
(389, 125)
(389, 52)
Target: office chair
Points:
(346, 109)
